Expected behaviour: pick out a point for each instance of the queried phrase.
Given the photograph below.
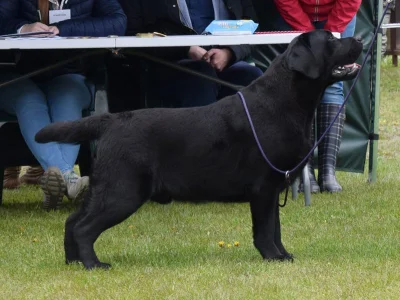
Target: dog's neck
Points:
(308, 92)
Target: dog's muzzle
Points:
(346, 70)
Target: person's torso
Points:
(32, 60)
(198, 14)
(28, 9)
(201, 13)
(165, 15)
(317, 10)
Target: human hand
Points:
(218, 58)
(54, 30)
(34, 27)
(37, 27)
(196, 52)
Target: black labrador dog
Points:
(207, 152)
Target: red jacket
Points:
(301, 13)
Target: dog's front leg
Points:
(263, 213)
(278, 239)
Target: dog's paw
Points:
(69, 261)
(280, 258)
(98, 265)
(288, 257)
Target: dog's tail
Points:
(85, 129)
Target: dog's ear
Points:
(300, 58)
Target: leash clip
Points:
(287, 178)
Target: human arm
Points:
(341, 15)
(107, 18)
(292, 12)
(11, 22)
(10, 18)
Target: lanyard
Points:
(62, 3)
(57, 5)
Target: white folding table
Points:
(115, 42)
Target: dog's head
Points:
(319, 55)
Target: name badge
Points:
(59, 15)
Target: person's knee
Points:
(26, 95)
(241, 73)
(194, 81)
(69, 90)
(252, 72)
(18, 95)
(201, 66)
(194, 90)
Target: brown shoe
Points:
(11, 177)
(32, 175)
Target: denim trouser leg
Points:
(34, 110)
(67, 96)
(179, 89)
(240, 73)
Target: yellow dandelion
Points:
(236, 244)
(221, 244)
(229, 245)
(35, 240)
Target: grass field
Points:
(345, 245)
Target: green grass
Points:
(346, 245)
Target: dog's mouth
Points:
(346, 71)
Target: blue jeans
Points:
(333, 93)
(179, 89)
(36, 105)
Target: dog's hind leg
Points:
(70, 246)
(277, 238)
(263, 212)
(116, 205)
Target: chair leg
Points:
(307, 187)
(1, 183)
(295, 188)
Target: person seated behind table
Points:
(177, 88)
(55, 96)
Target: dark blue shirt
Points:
(201, 13)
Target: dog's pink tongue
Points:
(353, 65)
